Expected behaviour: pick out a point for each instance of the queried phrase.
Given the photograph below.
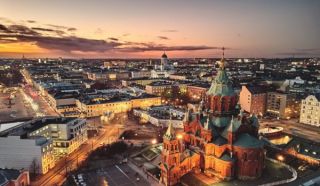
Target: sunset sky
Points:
(144, 28)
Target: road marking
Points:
(125, 174)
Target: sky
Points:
(146, 28)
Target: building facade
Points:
(282, 105)
(19, 152)
(253, 100)
(38, 143)
(218, 140)
(310, 111)
(100, 106)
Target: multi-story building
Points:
(140, 74)
(20, 151)
(282, 105)
(276, 104)
(158, 88)
(310, 110)
(108, 75)
(99, 105)
(253, 99)
(139, 81)
(67, 134)
(220, 142)
(197, 91)
(37, 143)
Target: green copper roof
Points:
(226, 157)
(221, 121)
(234, 125)
(254, 120)
(220, 141)
(221, 85)
(247, 141)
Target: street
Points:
(294, 128)
(57, 175)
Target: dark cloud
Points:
(113, 39)
(43, 29)
(72, 29)
(21, 29)
(4, 29)
(64, 43)
(163, 37)
(31, 21)
(58, 39)
(57, 32)
(21, 33)
(170, 30)
(153, 47)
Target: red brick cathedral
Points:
(218, 139)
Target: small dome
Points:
(164, 55)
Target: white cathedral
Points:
(164, 69)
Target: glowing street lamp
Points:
(179, 136)
(154, 141)
(280, 158)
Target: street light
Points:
(280, 158)
(179, 136)
(154, 141)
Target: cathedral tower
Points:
(172, 148)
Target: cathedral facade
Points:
(218, 139)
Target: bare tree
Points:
(34, 167)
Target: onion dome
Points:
(221, 85)
(164, 55)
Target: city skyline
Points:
(143, 29)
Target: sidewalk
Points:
(144, 175)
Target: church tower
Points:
(164, 61)
(172, 148)
(221, 98)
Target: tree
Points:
(34, 167)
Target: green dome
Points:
(221, 85)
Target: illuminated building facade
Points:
(282, 105)
(101, 105)
(39, 142)
(253, 99)
(218, 140)
(310, 111)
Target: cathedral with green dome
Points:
(218, 140)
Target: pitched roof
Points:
(170, 134)
(221, 85)
(247, 141)
(226, 157)
(221, 121)
(220, 141)
(234, 125)
(256, 89)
